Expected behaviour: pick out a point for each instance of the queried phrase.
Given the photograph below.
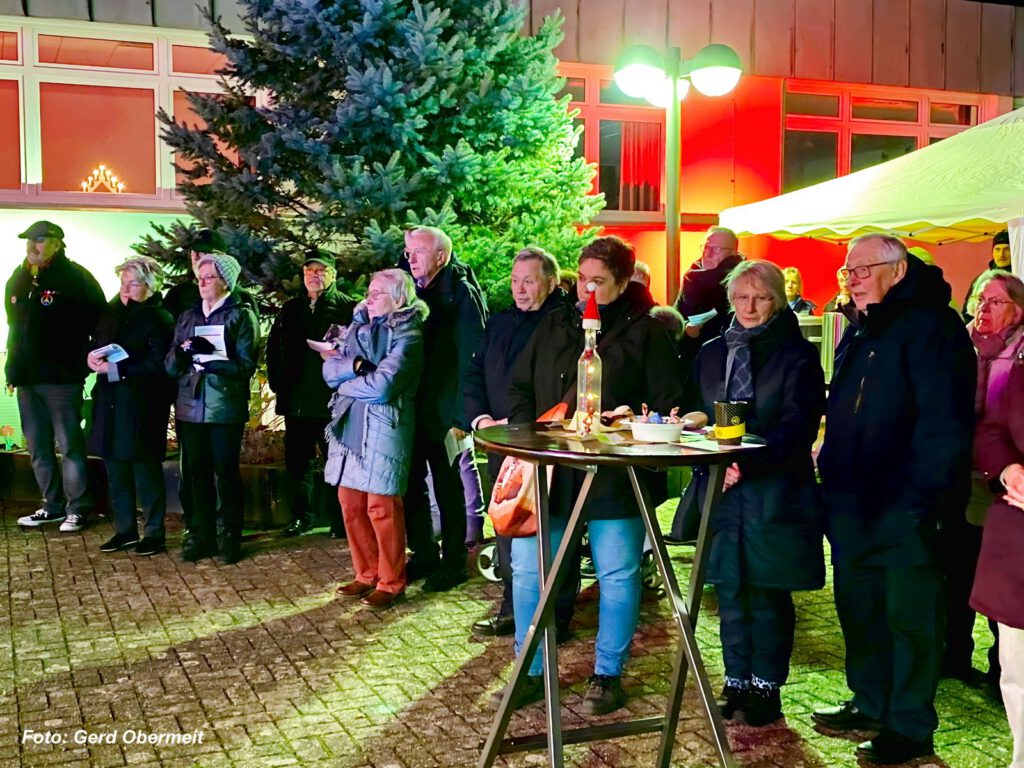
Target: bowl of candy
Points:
(652, 427)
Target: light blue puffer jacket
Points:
(372, 416)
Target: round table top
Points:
(556, 446)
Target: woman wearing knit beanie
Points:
(213, 358)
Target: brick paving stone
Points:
(273, 670)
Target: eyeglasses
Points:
(39, 240)
(861, 272)
(717, 248)
(743, 298)
(419, 253)
(132, 284)
(204, 279)
(375, 294)
(992, 303)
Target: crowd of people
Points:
(921, 469)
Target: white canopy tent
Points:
(966, 187)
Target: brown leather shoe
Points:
(353, 589)
(378, 599)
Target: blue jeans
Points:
(51, 411)
(617, 547)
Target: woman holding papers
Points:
(130, 404)
(375, 373)
(213, 358)
(767, 532)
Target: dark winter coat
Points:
(489, 375)
(451, 334)
(768, 530)
(50, 320)
(218, 394)
(639, 365)
(803, 306)
(702, 290)
(998, 443)
(294, 371)
(130, 405)
(373, 417)
(899, 421)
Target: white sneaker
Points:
(40, 517)
(73, 523)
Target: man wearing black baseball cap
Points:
(294, 373)
(52, 306)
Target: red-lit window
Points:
(8, 46)
(193, 60)
(84, 126)
(92, 52)
(183, 113)
(833, 129)
(624, 137)
(10, 135)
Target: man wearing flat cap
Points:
(294, 374)
(53, 305)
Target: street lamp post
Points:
(641, 72)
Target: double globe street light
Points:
(642, 73)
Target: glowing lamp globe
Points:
(660, 93)
(715, 70)
(636, 69)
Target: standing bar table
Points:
(543, 447)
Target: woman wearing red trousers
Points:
(375, 374)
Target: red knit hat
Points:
(591, 315)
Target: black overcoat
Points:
(129, 416)
(768, 530)
(899, 422)
(639, 364)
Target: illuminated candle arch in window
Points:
(102, 179)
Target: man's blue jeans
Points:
(617, 547)
(51, 411)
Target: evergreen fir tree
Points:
(383, 114)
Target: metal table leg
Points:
(555, 572)
(685, 612)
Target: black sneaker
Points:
(40, 517)
(445, 579)
(230, 551)
(295, 528)
(604, 695)
(845, 717)
(150, 546)
(530, 692)
(119, 541)
(730, 701)
(197, 550)
(761, 706)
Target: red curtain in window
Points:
(643, 158)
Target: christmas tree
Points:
(379, 115)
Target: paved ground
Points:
(265, 667)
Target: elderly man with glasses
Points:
(451, 334)
(294, 373)
(895, 465)
(53, 305)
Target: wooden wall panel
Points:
(123, 11)
(853, 49)
(230, 12)
(689, 25)
(568, 49)
(996, 60)
(732, 23)
(600, 30)
(1018, 52)
(963, 42)
(169, 13)
(11, 8)
(59, 9)
(927, 38)
(774, 23)
(814, 39)
(647, 23)
(890, 59)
